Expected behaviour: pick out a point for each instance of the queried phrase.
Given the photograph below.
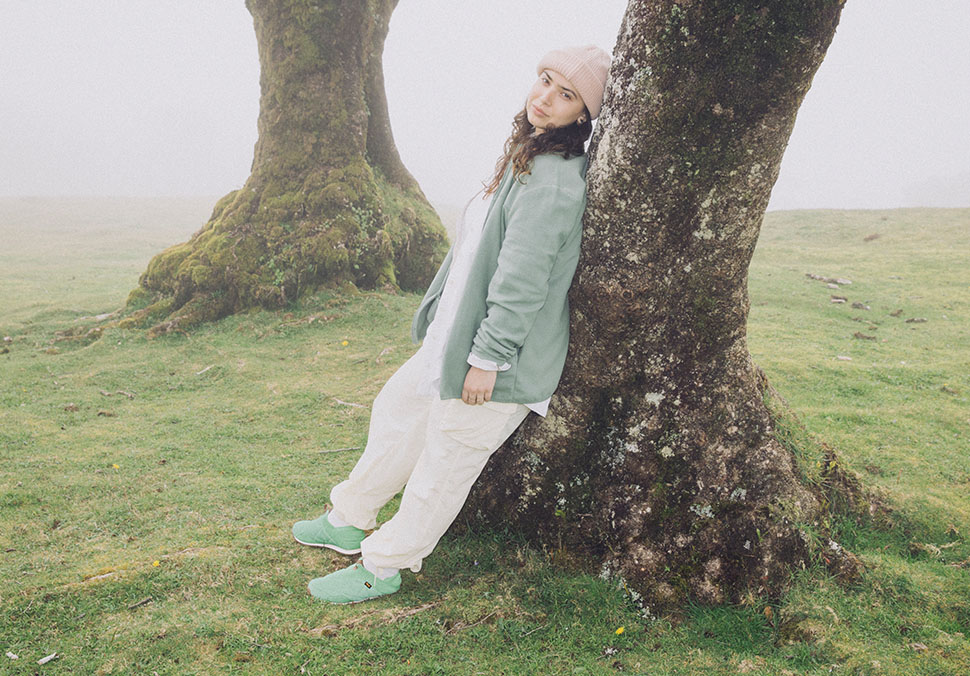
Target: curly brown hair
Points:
(524, 144)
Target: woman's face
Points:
(553, 102)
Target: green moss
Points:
(416, 236)
(222, 205)
(161, 271)
(148, 315)
(138, 298)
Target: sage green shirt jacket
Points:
(514, 309)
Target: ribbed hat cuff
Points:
(579, 73)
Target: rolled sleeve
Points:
(485, 364)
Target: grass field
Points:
(147, 487)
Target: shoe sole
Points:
(351, 603)
(339, 550)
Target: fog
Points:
(138, 97)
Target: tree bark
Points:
(328, 199)
(658, 457)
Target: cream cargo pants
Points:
(434, 449)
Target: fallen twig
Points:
(338, 450)
(349, 403)
(103, 576)
(143, 602)
(460, 626)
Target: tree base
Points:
(728, 523)
(255, 252)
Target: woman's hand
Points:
(478, 386)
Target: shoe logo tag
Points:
(367, 584)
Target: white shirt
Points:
(468, 235)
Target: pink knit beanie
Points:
(586, 67)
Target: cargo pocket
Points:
(482, 427)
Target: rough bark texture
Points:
(658, 456)
(328, 199)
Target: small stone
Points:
(860, 306)
(862, 336)
(839, 299)
(916, 320)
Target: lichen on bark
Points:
(328, 200)
(659, 459)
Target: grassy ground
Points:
(147, 487)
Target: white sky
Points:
(140, 97)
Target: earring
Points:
(581, 119)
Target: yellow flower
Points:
(156, 564)
(117, 466)
(620, 630)
(345, 343)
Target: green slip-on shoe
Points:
(353, 584)
(321, 533)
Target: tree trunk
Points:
(328, 199)
(658, 456)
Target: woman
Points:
(495, 328)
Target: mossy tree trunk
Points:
(658, 456)
(328, 199)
